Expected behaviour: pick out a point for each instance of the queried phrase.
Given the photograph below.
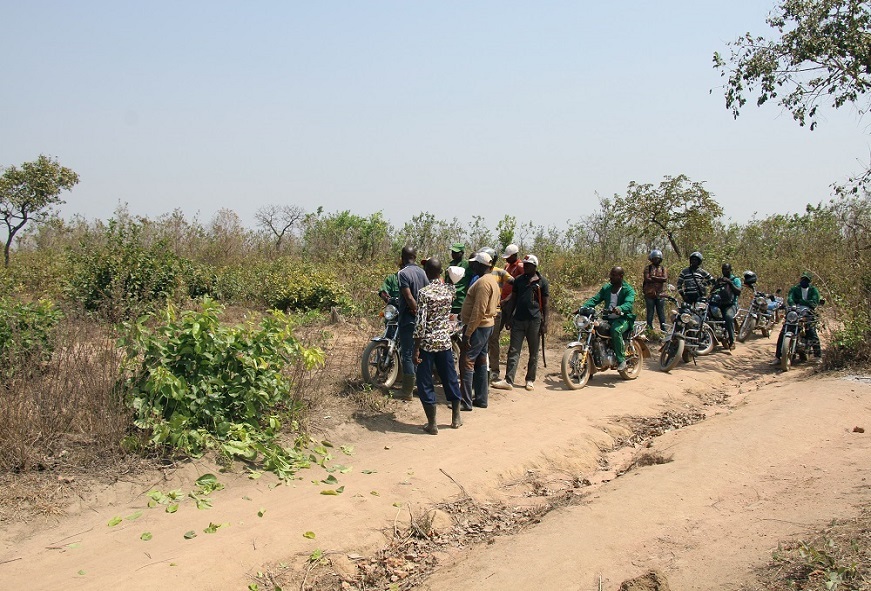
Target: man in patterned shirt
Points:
(432, 345)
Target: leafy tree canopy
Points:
(28, 194)
(678, 210)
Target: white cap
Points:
(483, 258)
(456, 273)
(510, 250)
(531, 258)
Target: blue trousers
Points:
(444, 364)
(406, 348)
(474, 362)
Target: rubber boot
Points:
(456, 415)
(407, 387)
(430, 427)
(481, 386)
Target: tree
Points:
(28, 194)
(821, 54)
(678, 210)
(279, 219)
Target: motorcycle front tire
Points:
(670, 354)
(747, 328)
(575, 377)
(786, 353)
(384, 376)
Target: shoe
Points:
(502, 385)
(479, 404)
(465, 407)
(732, 347)
(494, 376)
(530, 385)
(621, 366)
(775, 362)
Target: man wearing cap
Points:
(529, 297)
(513, 269)
(807, 295)
(432, 346)
(478, 315)
(411, 280)
(458, 259)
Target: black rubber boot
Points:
(430, 427)
(456, 415)
(407, 388)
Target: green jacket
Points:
(625, 299)
(794, 297)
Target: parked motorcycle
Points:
(380, 364)
(763, 313)
(690, 334)
(592, 351)
(796, 341)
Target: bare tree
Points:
(279, 219)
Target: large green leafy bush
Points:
(26, 333)
(197, 384)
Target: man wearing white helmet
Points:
(512, 270)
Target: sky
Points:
(459, 108)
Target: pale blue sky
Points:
(458, 108)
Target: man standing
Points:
(458, 259)
(655, 278)
(411, 279)
(478, 314)
(432, 346)
(693, 281)
(514, 269)
(729, 288)
(529, 298)
(619, 297)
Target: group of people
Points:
(487, 299)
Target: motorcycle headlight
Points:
(581, 322)
(761, 302)
(686, 317)
(391, 312)
(792, 316)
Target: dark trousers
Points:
(811, 332)
(493, 344)
(523, 330)
(406, 345)
(444, 364)
(473, 364)
(729, 319)
(657, 304)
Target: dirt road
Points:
(779, 456)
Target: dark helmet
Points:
(727, 268)
(697, 255)
(654, 254)
(749, 277)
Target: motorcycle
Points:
(715, 319)
(690, 334)
(592, 351)
(796, 341)
(380, 365)
(763, 314)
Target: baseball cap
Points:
(482, 257)
(455, 273)
(510, 250)
(458, 247)
(531, 259)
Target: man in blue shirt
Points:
(411, 279)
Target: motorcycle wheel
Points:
(576, 377)
(670, 354)
(707, 340)
(377, 367)
(747, 328)
(633, 362)
(785, 353)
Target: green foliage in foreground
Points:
(26, 333)
(196, 384)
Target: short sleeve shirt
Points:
(433, 326)
(412, 277)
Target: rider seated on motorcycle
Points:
(729, 288)
(692, 281)
(619, 297)
(803, 294)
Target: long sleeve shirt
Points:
(482, 300)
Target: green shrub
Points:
(26, 333)
(197, 384)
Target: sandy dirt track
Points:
(780, 459)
